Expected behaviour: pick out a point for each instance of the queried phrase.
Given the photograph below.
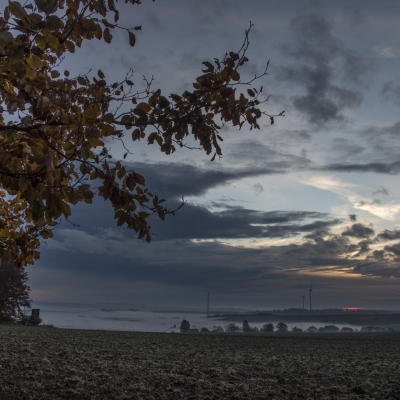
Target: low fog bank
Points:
(126, 317)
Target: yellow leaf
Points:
(145, 107)
(130, 182)
(54, 23)
(30, 73)
(83, 168)
(108, 129)
(107, 35)
(65, 208)
(73, 4)
(136, 134)
(41, 42)
(109, 117)
(94, 175)
(51, 40)
(70, 46)
(4, 233)
(16, 9)
(47, 6)
(98, 32)
(93, 111)
(121, 173)
(132, 39)
(235, 75)
(46, 233)
(95, 141)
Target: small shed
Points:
(36, 312)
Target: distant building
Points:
(36, 312)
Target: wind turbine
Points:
(310, 290)
(208, 303)
(303, 300)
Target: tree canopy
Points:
(55, 128)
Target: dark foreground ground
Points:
(50, 363)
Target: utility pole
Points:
(303, 300)
(208, 303)
(310, 290)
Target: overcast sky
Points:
(313, 199)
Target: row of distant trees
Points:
(281, 328)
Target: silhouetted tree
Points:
(185, 326)
(232, 327)
(14, 292)
(281, 327)
(329, 328)
(267, 328)
(372, 329)
(246, 327)
(296, 330)
(218, 329)
(346, 329)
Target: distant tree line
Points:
(279, 328)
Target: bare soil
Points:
(51, 363)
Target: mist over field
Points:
(127, 317)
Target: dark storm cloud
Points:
(388, 235)
(239, 222)
(175, 271)
(363, 247)
(391, 92)
(179, 262)
(378, 255)
(359, 231)
(394, 249)
(377, 167)
(319, 56)
(171, 181)
(317, 235)
(376, 269)
(174, 180)
(108, 255)
(329, 248)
